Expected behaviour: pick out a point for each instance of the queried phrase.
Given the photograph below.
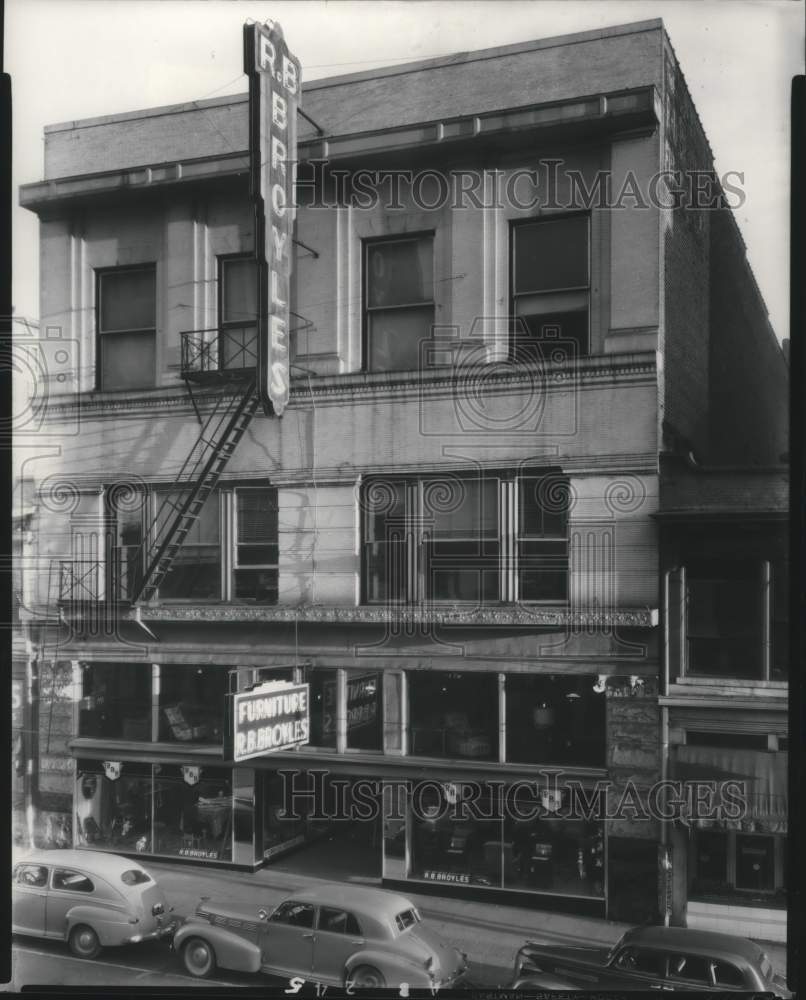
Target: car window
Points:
(71, 881)
(406, 919)
(728, 975)
(337, 921)
(35, 876)
(691, 968)
(641, 960)
(296, 914)
(135, 876)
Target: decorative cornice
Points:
(517, 615)
(489, 379)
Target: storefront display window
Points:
(453, 715)
(323, 700)
(280, 831)
(460, 837)
(115, 701)
(192, 704)
(555, 720)
(113, 805)
(364, 711)
(193, 811)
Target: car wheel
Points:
(366, 977)
(199, 957)
(84, 942)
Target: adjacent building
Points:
(514, 320)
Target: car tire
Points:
(198, 957)
(83, 942)
(366, 977)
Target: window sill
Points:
(704, 680)
(134, 747)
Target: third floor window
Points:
(237, 311)
(398, 301)
(550, 288)
(126, 324)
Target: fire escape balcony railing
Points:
(218, 350)
(93, 581)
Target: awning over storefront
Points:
(763, 773)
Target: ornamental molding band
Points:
(518, 616)
(449, 382)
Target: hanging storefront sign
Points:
(275, 82)
(112, 769)
(267, 718)
(191, 774)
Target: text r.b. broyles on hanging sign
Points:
(275, 81)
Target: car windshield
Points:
(135, 877)
(406, 919)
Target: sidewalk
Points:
(488, 932)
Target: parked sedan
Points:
(665, 958)
(90, 899)
(334, 934)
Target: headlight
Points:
(157, 908)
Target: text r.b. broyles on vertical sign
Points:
(275, 81)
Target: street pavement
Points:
(488, 932)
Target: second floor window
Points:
(238, 311)
(230, 552)
(126, 323)
(398, 301)
(456, 539)
(550, 288)
(724, 611)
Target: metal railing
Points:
(218, 349)
(96, 580)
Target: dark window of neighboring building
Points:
(238, 311)
(445, 539)
(755, 863)
(256, 548)
(127, 320)
(779, 666)
(191, 703)
(737, 741)
(554, 720)
(365, 710)
(195, 572)
(398, 301)
(453, 715)
(543, 539)
(724, 609)
(115, 701)
(550, 288)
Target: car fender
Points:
(111, 926)
(231, 950)
(393, 967)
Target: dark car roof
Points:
(695, 941)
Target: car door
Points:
(29, 896)
(689, 972)
(637, 968)
(287, 942)
(68, 888)
(338, 936)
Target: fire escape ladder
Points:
(196, 480)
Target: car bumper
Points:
(167, 930)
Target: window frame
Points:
(100, 274)
(224, 325)
(418, 539)
(55, 871)
(514, 295)
(366, 309)
(236, 544)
